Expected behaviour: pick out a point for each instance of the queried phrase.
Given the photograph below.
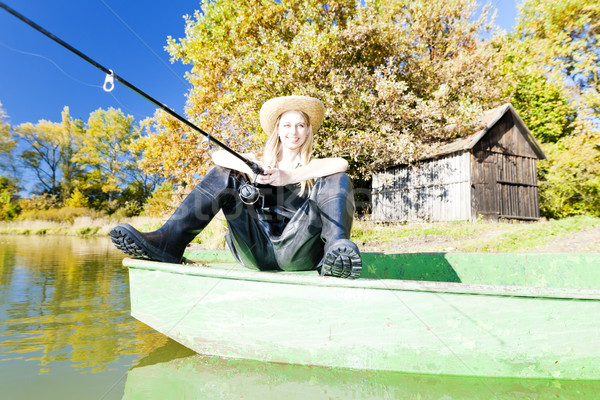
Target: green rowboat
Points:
(486, 315)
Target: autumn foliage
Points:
(396, 77)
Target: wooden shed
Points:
(491, 173)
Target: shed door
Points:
(484, 189)
(517, 187)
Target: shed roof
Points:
(487, 122)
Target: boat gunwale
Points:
(292, 278)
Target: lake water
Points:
(66, 333)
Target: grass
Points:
(81, 226)
(212, 237)
(532, 235)
(367, 231)
(479, 236)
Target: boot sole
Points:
(126, 239)
(342, 261)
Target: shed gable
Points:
(506, 137)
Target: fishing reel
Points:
(249, 193)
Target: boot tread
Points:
(126, 244)
(343, 261)
(125, 239)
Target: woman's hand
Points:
(315, 169)
(275, 177)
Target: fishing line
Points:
(70, 76)
(248, 193)
(145, 44)
(52, 62)
(140, 116)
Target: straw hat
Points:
(273, 108)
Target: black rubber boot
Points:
(168, 243)
(336, 205)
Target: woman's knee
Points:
(216, 178)
(339, 179)
(334, 184)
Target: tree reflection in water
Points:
(64, 305)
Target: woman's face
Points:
(293, 130)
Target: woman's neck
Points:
(288, 158)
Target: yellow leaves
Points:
(171, 150)
(4, 125)
(105, 143)
(391, 73)
(562, 35)
(77, 199)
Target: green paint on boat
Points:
(485, 315)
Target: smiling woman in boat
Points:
(302, 219)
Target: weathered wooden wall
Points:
(504, 174)
(504, 186)
(434, 190)
(495, 177)
(506, 137)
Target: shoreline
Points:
(574, 234)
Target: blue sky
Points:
(109, 31)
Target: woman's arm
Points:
(315, 169)
(225, 159)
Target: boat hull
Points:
(410, 326)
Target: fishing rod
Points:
(248, 192)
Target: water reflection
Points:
(64, 305)
(174, 372)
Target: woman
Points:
(302, 219)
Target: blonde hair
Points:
(273, 149)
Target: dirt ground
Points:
(585, 241)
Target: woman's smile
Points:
(293, 130)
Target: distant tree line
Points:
(73, 164)
(398, 78)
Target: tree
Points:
(570, 178)
(77, 199)
(563, 38)
(555, 46)
(396, 77)
(8, 198)
(70, 141)
(8, 145)
(104, 150)
(42, 155)
(544, 107)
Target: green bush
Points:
(9, 207)
(130, 209)
(570, 178)
(92, 230)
